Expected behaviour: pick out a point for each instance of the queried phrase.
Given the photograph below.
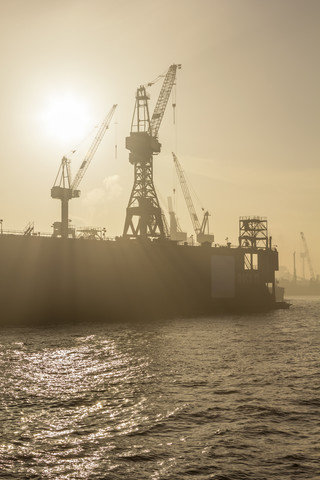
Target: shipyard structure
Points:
(151, 271)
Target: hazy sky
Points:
(247, 117)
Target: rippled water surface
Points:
(231, 397)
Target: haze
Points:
(247, 117)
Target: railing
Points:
(21, 233)
(253, 218)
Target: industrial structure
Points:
(253, 232)
(176, 233)
(305, 255)
(65, 189)
(201, 230)
(306, 281)
(144, 217)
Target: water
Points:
(225, 398)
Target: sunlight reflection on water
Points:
(197, 398)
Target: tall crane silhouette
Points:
(201, 230)
(144, 216)
(65, 189)
(306, 255)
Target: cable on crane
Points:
(74, 150)
(116, 140)
(159, 77)
(174, 102)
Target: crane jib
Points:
(163, 99)
(104, 126)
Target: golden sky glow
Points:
(247, 118)
(65, 118)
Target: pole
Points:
(64, 217)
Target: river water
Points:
(224, 398)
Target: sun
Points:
(66, 118)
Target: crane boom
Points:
(163, 98)
(187, 196)
(92, 150)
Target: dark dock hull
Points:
(48, 280)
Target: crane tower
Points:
(144, 216)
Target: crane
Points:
(144, 217)
(201, 230)
(65, 189)
(305, 254)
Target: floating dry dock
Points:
(47, 279)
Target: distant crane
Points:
(176, 233)
(305, 255)
(144, 217)
(201, 231)
(65, 189)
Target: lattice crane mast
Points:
(144, 216)
(65, 189)
(201, 230)
(305, 254)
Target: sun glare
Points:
(66, 118)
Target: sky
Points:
(246, 125)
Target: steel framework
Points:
(144, 217)
(253, 232)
